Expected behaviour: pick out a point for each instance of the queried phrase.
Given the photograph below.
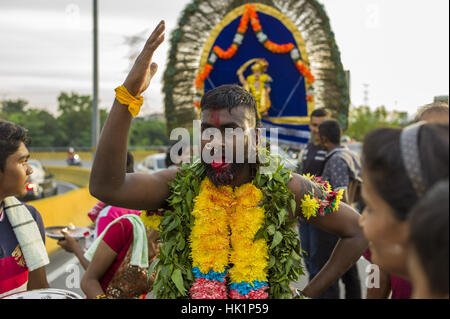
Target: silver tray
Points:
(76, 232)
(44, 294)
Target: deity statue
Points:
(258, 83)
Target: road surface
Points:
(86, 164)
(64, 271)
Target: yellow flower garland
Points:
(210, 235)
(249, 258)
(151, 221)
(339, 197)
(312, 206)
(219, 210)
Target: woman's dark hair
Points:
(228, 97)
(429, 236)
(331, 129)
(11, 135)
(383, 164)
(130, 162)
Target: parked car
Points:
(40, 183)
(152, 163)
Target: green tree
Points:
(150, 132)
(362, 120)
(13, 106)
(42, 126)
(73, 125)
(75, 119)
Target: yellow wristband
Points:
(102, 296)
(124, 97)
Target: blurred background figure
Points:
(390, 191)
(437, 112)
(311, 161)
(342, 169)
(428, 245)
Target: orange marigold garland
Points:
(203, 75)
(278, 48)
(250, 16)
(228, 54)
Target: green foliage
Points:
(150, 132)
(285, 263)
(42, 126)
(174, 271)
(362, 120)
(75, 119)
(13, 106)
(72, 127)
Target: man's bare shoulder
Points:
(165, 175)
(299, 184)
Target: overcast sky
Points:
(399, 47)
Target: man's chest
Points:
(9, 246)
(14, 271)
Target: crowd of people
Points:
(383, 165)
(199, 225)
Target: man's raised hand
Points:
(143, 69)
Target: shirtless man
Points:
(110, 183)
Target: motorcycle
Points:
(74, 160)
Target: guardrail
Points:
(71, 207)
(71, 174)
(49, 154)
(62, 210)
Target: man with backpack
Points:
(342, 169)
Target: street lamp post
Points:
(95, 113)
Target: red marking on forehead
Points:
(215, 117)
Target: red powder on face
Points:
(215, 118)
(217, 164)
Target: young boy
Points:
(428, 254)
(22, 251)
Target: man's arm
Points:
(109, 181)
(344, 224)
(37, 279)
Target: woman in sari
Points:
(120, 260)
